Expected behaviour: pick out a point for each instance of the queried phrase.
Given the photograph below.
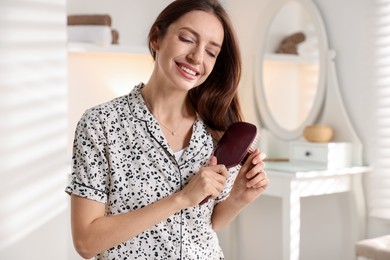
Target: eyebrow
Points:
(197, 35)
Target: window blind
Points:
(378, 188)
(33, 113)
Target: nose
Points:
(196, 55)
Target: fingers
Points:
(214, 175)
(221, 169)
(254, 163)
(258, 181)
(208, 183)
(254, 171)
(213, 160)
(256, 157)
(263, 184)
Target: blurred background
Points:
(46, 84)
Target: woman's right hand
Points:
(208, 182)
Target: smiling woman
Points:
(189, 46)
(184, 58)
(143, 162)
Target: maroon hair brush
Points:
(235, 144)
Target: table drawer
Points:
(325, 155)
(310, 154)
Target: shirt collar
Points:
(200, 138)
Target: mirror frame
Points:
(265, 114)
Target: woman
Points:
(142, 163)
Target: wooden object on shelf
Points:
(318, 133)
(290, 43)
(115, 36)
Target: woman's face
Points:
(187, 53)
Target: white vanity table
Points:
(292, 182)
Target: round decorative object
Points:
(318, 133)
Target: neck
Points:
(167, 104)
(173, 112)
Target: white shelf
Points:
(80, 47)
(290, 58)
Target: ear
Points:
(154, 38)
(154, 44)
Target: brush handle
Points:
(204, 200)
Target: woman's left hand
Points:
(251, 180)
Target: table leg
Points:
(357, 213)
(291, 215)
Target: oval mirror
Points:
(291, 69)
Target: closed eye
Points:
(211, 54)
(185, 39)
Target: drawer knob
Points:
(307, 153)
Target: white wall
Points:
(33, 127)
(352, 37)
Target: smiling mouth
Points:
(188, 70)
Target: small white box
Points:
(324, 155)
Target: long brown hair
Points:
(215, 100)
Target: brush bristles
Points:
(254, 144)
(251, 149)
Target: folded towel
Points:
(115, 36)
(97, 34)
(89, 19)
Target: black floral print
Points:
(121, 158)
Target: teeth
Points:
(193, 73)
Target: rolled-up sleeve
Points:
(90, 166)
